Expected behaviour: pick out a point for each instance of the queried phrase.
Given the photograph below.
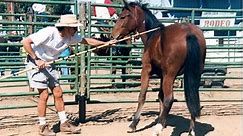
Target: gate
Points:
(14, 61)
(221, 75)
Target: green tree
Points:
(22, 7)
(118, 2)
(59, 9)
(3, 7)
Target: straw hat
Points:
(68, 20)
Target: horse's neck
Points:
(144, 37)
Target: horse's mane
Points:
(150, 20)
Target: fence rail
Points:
(93, 74)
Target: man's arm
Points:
(27, 46)
(92, 41)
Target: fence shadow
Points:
(104, 116)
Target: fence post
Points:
(30, 14)
(82, 98)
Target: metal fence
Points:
(93, 74)
(224, 54)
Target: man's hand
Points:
(112, 42)
(40, 63)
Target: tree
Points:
(59, 9)
(3, 7)
(22, 7)
(118, 2)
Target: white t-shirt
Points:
(48, 44)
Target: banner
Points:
(215, 19)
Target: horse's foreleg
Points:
(142, 95)
(166, 102)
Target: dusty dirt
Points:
(112, 119)
(218, 119)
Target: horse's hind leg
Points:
(192, 126)
(142, 95)
(166, 101)
(159, 127)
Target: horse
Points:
(169, 51)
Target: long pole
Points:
(77, 54)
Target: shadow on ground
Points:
(181, 125)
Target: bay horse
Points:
(168, 52)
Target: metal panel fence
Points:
(223, 63)
(223, 59)
(14, 61)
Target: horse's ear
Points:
(126, 5)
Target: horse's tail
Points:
(192, 75)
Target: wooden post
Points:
(82, 92)
(30, 15)
(10, 10)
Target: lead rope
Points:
(80, 53)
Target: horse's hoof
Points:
(192, 133)
(131, 128)
(158, 130)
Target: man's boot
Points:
(69, 128)
(45, 131)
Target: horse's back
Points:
(182, 30)
(178, 33)
(169, 47)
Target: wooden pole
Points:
(10, 10)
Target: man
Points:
(44, 46)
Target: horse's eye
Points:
(122, 17)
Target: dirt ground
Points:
(112, 119)
(218, 119)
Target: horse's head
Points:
(129, 20)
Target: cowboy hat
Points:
(68, 20)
